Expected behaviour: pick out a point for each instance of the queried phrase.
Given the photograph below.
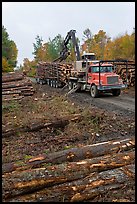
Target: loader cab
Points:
(88, 56)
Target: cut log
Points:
(8, 79)
(62, 122)
(11, 92)
(121, 70)
(16, 84)
(89, 151)
(74, 154)
(13, 83)
(22, 182)
(83, 189)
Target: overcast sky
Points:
(25, 20)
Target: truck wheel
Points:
(37, 80)
(70, 85)
(41, 82)
(56, 84)
(48, 82)
(116, 92)
(51, 83)
(74, 84)
(94, 91)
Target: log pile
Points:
(59, 71)
(121, 70)
(15, 86)
(64, 179)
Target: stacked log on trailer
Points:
(73, 175)
(121, 70)
(58, 71)
(15, 86)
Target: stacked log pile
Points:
(72, 175)
(121, 70)
(60, 71)
(15, 86)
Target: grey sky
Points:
(25, 20)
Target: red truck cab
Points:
(102, 78)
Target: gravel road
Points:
(122, 105)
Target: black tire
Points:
(70, 85)
(116, 92)
(48, 82)
(41, 82)
(37, 80)
(56, 84)
(94, 91)
(51, 83)
(74, 84)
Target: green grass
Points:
(10, 107)
(26, 157)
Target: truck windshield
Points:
(102, 69)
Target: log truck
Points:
(89, 74)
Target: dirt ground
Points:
(99, 123)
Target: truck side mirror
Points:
(89, 70)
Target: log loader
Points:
(89, 74)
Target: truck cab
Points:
(98, 76)
(104, 79)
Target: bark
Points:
(121, 70)
(60, 123)
(74, 154)
(9, 79)
(85, 152)
(54, 70)
(15, 85)
(21, 83)
(22, 182)
(10, 92)
(83, 189)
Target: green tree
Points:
(9, 52)
(54, 47)
(87, 39)
(29, 67)
(37, 46)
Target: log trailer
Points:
(87, 74)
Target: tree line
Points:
(9, 52)
(105, 48)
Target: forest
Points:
(105, 48)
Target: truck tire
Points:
(74, 84)
(48, 82)
(56, 84)
(37, 80)
(94, 91)
(70, 85)
(51, 83)
(116, 92)
(41, 82)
